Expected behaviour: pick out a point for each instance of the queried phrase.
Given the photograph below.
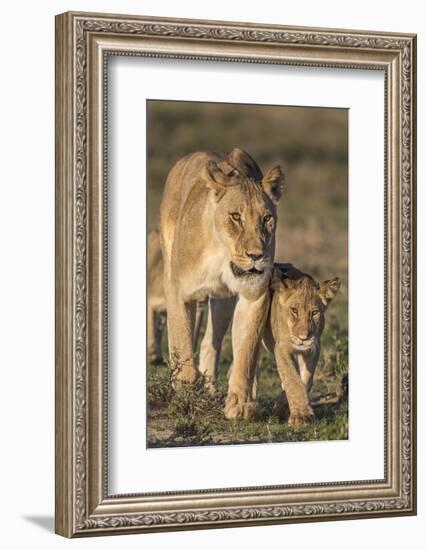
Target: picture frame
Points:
(84, 42)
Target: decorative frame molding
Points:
(83, 43)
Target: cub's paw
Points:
(298, 418)
(238, 408)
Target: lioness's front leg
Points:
(180, 322)
(295, 390)
(247, 329)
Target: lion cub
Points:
(292, 333)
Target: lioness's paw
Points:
(236, 408)
(301, 417)
(185, 375)
(209, 384)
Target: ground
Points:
(193, 417)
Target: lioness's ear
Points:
(273, 183)
(216, 179)
(245, 163)
(328, 290)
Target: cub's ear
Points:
(273, 183)
(216, 179)
(328, 290)
(276, 281)
(280, 281)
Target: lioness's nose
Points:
(254, 255)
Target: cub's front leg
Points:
(295, 391)
(248, 326)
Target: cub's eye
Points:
(267, 218)
(294, 310)
(315, 312)
(235, 216)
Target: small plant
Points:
(339, 355)
(190, 410)
(195, 412)
(187, 414)
(159, 387)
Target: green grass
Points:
(312, 233)
(191, 416)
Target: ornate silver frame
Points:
(83, 42)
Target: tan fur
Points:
(156, 302)
(292, 333)
(293, 338)
(217, 225)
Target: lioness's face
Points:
(299, 309)
(245, 220)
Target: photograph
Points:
(247, 273)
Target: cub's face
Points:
(245, 219)
(299, 307)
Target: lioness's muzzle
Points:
(239, 272)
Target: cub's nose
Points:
(303, 336)
(254, 255)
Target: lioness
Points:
(292, 333)
(156, 302)
(156, 305)
(217, 226)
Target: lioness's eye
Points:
(267, 218)
(294, 310)
(235, 216)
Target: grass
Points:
(312, 233)
(192, 416)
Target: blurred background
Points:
(311, 144)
